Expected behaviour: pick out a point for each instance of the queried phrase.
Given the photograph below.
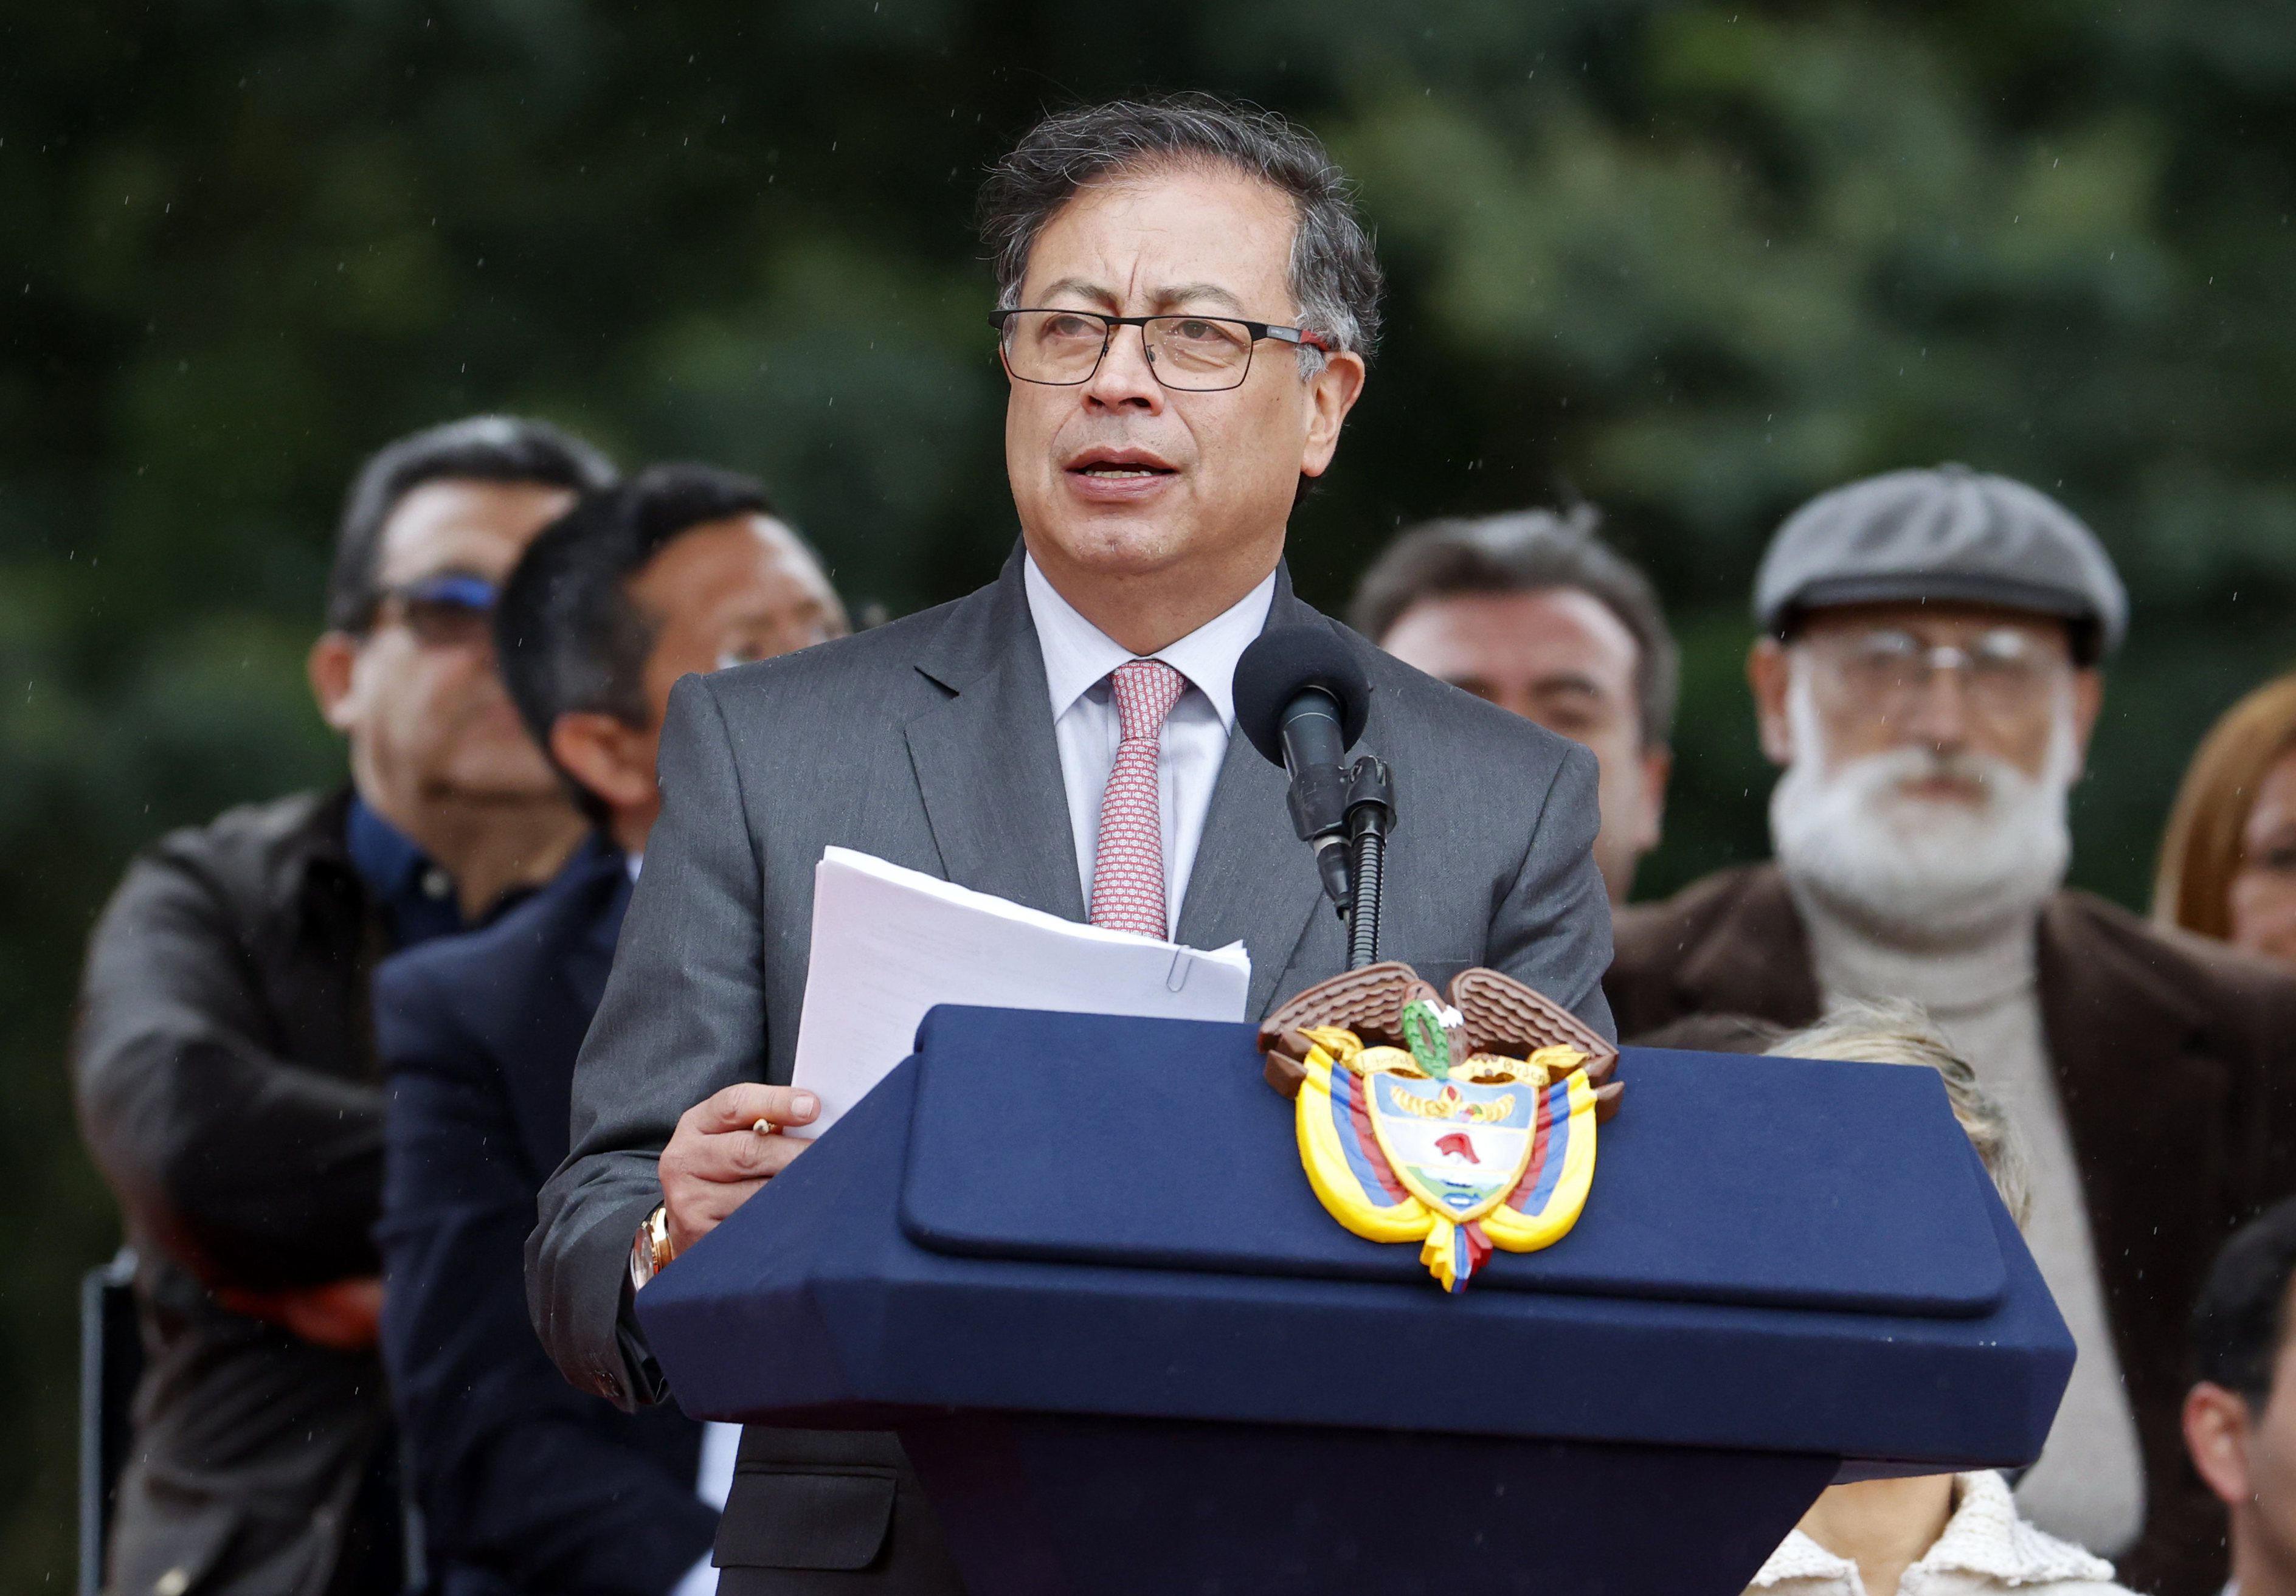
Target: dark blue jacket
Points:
(527, 1484)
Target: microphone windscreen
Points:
(1284, 661)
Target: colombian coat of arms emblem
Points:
(1464, 1125)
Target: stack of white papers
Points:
(888, 944)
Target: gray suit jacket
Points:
(930, 743)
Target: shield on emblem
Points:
(1457, 1147)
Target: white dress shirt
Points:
(721, 1444)
(1079, 657)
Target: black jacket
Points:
(227, 1087)
(527, 1484)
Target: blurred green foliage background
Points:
(1693, 262)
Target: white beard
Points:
(1921, 872)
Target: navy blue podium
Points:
(1074, 1261)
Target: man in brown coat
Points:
(1928, 682)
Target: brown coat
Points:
(2132, 1017)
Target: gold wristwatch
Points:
(650, 1251)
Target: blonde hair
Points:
(2201, 851)
(1896, 1032)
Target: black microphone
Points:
(1302, 698)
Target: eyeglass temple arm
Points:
(1297, 335)
(1308, 336)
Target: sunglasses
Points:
(451, 610)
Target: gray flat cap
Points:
(1948, 534)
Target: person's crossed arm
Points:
(257, 1175)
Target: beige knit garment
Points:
(1985, 1549)
(2089, 1485)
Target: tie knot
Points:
(1145, 692)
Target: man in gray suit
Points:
(1062, 737)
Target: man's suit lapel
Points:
(592, 957)
(988, 772)
(573, 954)
(2119, 1035)
(987, 766)
(1254, 879)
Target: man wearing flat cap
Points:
(1928, 679)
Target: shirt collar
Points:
(1984, 1537)
(1800, 1558)
(385, 857)
(416, 899)
(1078, 654)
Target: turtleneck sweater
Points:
(2089, 1485)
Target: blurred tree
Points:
(1693, 262)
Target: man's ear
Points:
(2088, 703)
(2216, 1435)
(1769, 672)
(1332, 393)
(608, 756)
(1658, 766)
(331, 667)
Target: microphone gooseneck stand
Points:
(1371, 816)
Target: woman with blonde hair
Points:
(2228, 864)
(1939, 1535)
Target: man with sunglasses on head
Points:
(224, 1066)
(1189, 299)
(1928, 678)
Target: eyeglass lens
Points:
(447, 609)
(2004, 671)
(1194, 354)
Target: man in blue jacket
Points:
(527, 1484)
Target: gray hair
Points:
(1334, 277)
(1896, 1032)
(1523, 552)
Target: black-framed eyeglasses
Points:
(1189, 354)
(449, 608)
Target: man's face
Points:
(426, 713)
(1929, 752)
(1878, 682)
(2272, 1465)
(725, 593)
(722, 593)
(1121, 477)
(2247, 1455)
(1560, 657)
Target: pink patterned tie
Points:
(1128, 876)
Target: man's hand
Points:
(726, 1148)
(344, 1315)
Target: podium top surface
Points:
(1776, 1255)
(1724, 1179)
